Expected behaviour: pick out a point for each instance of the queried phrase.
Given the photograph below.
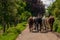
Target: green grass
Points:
(10, 36)
(13, 32)
(23, 25)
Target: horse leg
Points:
(37, 27)
(40, 27)
(32, 28)
(29, 27)
(51, 27)
(44, 26)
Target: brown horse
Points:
(30, 22)
(51, 21)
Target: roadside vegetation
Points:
(13, 32)
(54, 9)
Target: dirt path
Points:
(26, 35)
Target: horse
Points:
(44, 21)
(38, 23)
(30, 22)
(51, 21)
(34, 24)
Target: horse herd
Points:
(39, 23)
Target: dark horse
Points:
(38, 23)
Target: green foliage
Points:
(25, 15)
(58, 30)
(57, 25)
(21, 7)
(10, 36)
(12, 32)
(12, 12)
(54, 10)
(21, 26)
(0, 27)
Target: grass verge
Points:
(13, 32)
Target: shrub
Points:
(57, 25)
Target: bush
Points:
(57, 25)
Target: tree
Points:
(11, 12)
(8, 10)
(54, 9)
(35, 7)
